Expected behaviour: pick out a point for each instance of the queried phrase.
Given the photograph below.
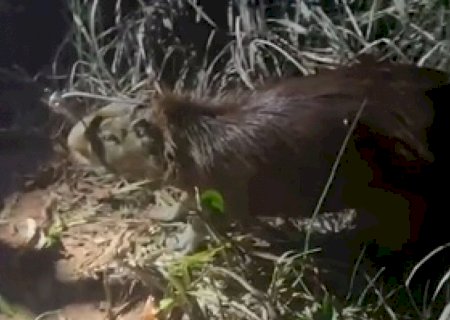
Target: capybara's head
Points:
(116, 137)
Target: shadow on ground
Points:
(30, 280)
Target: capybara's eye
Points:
(109, 137)
(141, 128)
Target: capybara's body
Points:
(271, 152)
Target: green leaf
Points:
(6, 308)
(166, 303)
(213, 200)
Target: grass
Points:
(140, 51)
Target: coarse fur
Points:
(270, 152)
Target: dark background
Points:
(32, 30)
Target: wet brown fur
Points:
(273, 149)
